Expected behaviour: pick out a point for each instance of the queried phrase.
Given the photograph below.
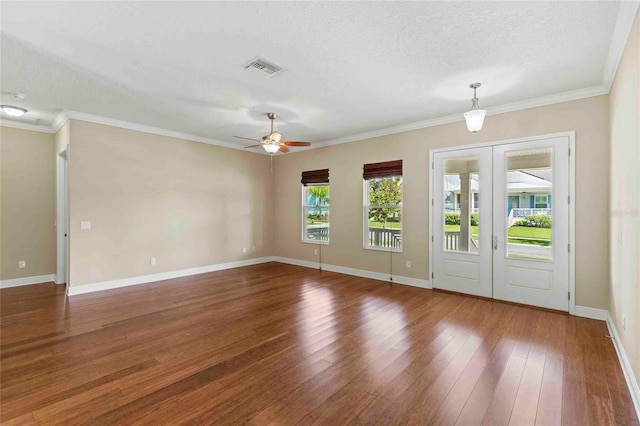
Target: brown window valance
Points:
(381, 170)
(315, 176)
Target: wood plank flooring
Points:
(281, 344)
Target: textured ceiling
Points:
(349, 67)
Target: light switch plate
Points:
(22, 264)
(84, 225)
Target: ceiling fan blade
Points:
(288, 143)
(249, 139)
(252, 146)
(283, 148)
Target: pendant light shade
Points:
(475, 116)
(475, 119)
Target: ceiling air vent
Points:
(262, 67)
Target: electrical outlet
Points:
(153, 261)
(244, 250)
(22, 264)
(315, 252)
(408, 264)
(84, 225)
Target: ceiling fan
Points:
(273, 142)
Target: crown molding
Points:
(60, 121)
(75, 115)
(25, 126)
(624, 22)
(500, 109)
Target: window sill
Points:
(386, 250)
(316, 242)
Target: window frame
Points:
(304, 197)
(546, 201)
(365, 216)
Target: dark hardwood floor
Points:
(280, 344)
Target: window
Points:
(315, 206)
(383, 206)
(541, 202)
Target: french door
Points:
(501, 222)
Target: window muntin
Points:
(383, 213)
(315, 213)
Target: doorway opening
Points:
(62, 218)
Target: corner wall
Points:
(624, 104)
(588, 117)
(27, 203)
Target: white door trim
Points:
(572, 192)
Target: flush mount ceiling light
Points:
(475, 116)
(13, 111)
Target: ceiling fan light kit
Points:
(271, 148)
(475, 116)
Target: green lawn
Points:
(389, 225)
(521, 234)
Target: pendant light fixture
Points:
(475, 116)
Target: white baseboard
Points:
(593, 313)
(143, 279)
(26, 281)
(632, 383)
(398, 279)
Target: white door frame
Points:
(572, 205)
(62, 219)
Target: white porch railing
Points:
(524, 212)
(385, 237)
(451, 240)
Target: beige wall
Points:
(588, 117)
(27, 200)
(625, 198)
(186, 203)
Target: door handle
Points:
(495, 242)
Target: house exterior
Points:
(529, 193)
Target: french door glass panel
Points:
(461, 200)
(529, 178)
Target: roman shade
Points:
(312, 177)
(381, 170)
